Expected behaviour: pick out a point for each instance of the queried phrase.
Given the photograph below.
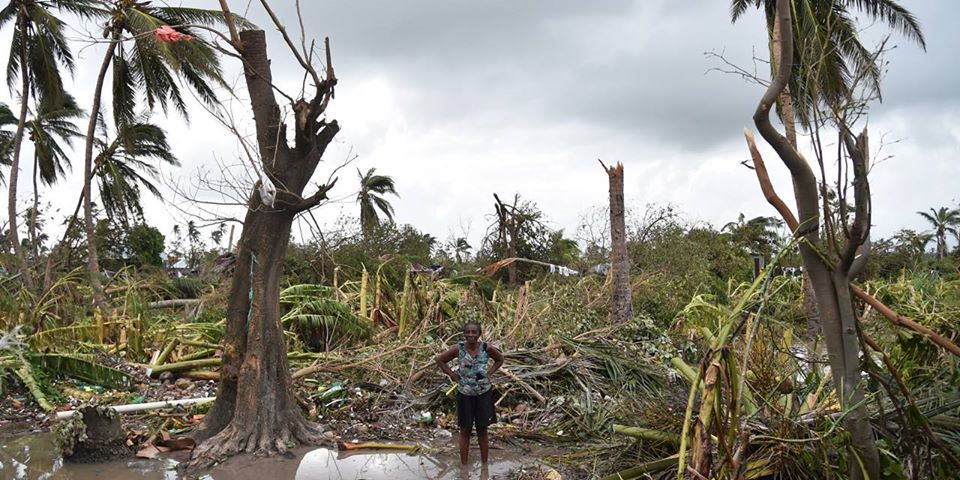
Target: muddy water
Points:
(31, 457)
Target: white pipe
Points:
(136, 407)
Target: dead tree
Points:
(508, 232)
(830, 269)
(621, 303)
(255, 409)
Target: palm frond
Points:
(895, 16)
(82, 367)
(383, 205)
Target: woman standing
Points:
(474, 396)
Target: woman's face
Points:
(471, 334)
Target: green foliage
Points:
(388, 248)
(676, 264)
(321, 319)
(146, 245)
(82, 367)
(125, 163)
(185, 287)
(756, 236)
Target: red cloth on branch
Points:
(167, 34)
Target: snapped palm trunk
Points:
(621, 303)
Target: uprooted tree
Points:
(255, 410)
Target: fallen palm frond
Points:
(315, 312)
(24, 372)
(82, 367)
(647, 434)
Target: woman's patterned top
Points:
(473, 371)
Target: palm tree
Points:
(943, 221)
(144, 67)
(373, 188)
(51, 125)
(7, 119)
(829, 56)
(125, 163)
(461, 249)
(821, 73)
(38, 48)
(758, 235)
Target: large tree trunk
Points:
(93, 262)
(621, 303)
(830, 283)
(255, 410)
(12, 233)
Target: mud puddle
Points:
(32, 457)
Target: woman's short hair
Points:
(473, 322)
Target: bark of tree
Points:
(621, 303)
(831, 283)
(12, 233)
(255, 410)
(785, 105)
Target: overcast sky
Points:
(459, 99)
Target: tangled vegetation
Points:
(615, 398)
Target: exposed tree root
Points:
(254, 439)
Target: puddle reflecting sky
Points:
(31, 457)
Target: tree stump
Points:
(92, 435)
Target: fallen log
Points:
(645, 468)
(376, 446)
(902, 321)
(201, 375)
(183, 366)
(647, 434)
(178, 302)
(526, 386)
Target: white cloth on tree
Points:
(268, 192)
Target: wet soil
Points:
(30, 457)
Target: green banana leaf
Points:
(82, 367)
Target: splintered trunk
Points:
(621, 304)
(256, 410)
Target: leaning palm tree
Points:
(373, 188)
(829, 57)
(125, 163)
(146, 66)
(461, 249)
(7, 120)
(49, 130)
(943, 221)
(38, 49)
